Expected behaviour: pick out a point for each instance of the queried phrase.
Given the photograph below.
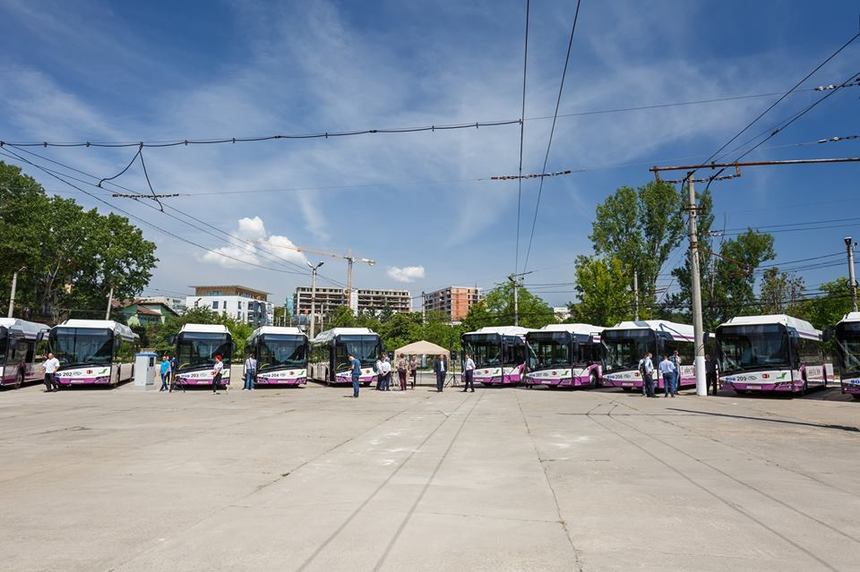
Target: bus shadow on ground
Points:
(849, 428)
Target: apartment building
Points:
(241, 303)
(454, 301)
(364, 300)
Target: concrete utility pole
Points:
(849, 244)
(635, 295)
(110, 301)
(516, 280)
(696, 287)
(15, 287)
(314, 270)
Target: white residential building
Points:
(241, 303)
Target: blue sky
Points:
(174, 70)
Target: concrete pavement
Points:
(499, 479)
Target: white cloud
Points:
(252, 243)
(406, 273)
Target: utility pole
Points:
(635, 295)
(696, 287)
(314, 270)
(849, 244)
(516, 280)
(14, 289)
(110, 301)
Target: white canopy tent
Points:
(422, 348)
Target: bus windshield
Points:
(485, 349)
(550, 349)
(624, 348)
(198, 350)
(82, 346)
(281, 350)
(365, 348)
(848, 342)
(752, 347)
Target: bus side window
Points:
(31, 350)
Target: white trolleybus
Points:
(565, 355)
(19, 360)
(196, 348)
(627, 342)
(93, 352)
(848, 351)
(281, 354)
(775, 353)
(499, 354)
(329, 360)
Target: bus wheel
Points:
(594, 381)
(627, 389)
(856, 396)
(19, 380)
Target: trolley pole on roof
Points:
(696, 287)
(849, 244)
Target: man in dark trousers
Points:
(711, 375)
(440, 366)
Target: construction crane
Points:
(350, 260)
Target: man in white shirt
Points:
(51, 365)
(469, 374)
(385, 372)
(667, 370)
(646, 370)
(250, 372)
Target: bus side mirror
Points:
(828, 334)
(232, 347)
(171, 340)
(41, 335)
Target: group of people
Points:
(405, 368)
(408, 368)
(166, 369)
(670, 371)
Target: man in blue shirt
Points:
(667, 370)
(165, 373)
(355, 367)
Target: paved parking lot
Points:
(499, 479)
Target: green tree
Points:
(780, 292)
(341, 317)
(827, 309)
(160, 334)
(603, 291)
(640, 227)
(497, 309)
(73, 257)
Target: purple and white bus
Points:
(627, 342)
(281, 354)
(499, 353)
(19, 360)
(848, 352)
(775, 353)
(565, 355)
(196, 348)
(93, 352)
(329, 361)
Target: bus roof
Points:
(804, 328)
(502, 331)
(578, 329)
(28, 329)
(277, 330)
(850, 317)
(205, 329)
(674, 329)
(115, 327)
(329, 335)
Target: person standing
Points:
(469, 374)
(413, 369)
(380, 377)
(51, 365)
(217, 371)
(402, 370)
(711, 375)
(676, 379)
(250, 372)
(165, 373)
(355, 369)
(646, 369)
(440, 366)
(386, 368)
(667, 371)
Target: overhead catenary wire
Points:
(552, 133)
(207, 227)
(522, 139)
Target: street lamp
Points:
(314, 270)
